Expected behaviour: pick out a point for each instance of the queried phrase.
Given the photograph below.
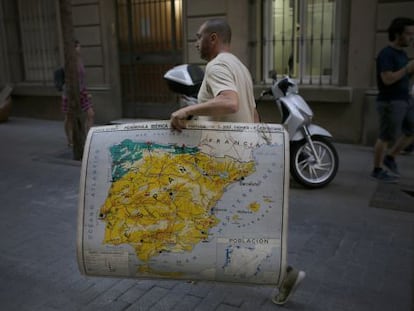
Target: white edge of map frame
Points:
(81, 211)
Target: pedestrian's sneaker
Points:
(382, 175)
(389, 163)
(289, 285)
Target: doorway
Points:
(150, 43)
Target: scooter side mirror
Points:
(273, 74)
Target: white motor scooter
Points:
(313, 158)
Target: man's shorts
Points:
(395, 117)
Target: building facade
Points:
(328, 46)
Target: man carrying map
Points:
(226, 95)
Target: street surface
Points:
(354, 239)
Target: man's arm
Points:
(390, 77)
(226, 102)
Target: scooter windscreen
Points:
(185, 79)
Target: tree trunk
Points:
(74, 113)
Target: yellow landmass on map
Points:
(164, 202)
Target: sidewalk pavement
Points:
(354, 239)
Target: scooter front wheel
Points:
(313, 170)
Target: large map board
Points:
(209, 203)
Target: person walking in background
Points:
(85, 100)
(394, 103)
(226, 95)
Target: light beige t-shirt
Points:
(226, 72)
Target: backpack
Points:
(59, 78)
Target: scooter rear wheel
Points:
(304, 166)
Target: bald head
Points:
(220, 27)
(213, 37)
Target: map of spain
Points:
(207, 203)
(162, 196)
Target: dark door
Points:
(150, 43)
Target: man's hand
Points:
(178, 119)
(390, 77)
(410, 67)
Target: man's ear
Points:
(213, 37)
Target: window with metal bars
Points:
(39, 39)
(300, 39)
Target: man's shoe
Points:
(382, 175)
(289, 285)
(389, 163)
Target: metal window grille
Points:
(149, 24)
(150, 43)
(39, 39)
(300, 39)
